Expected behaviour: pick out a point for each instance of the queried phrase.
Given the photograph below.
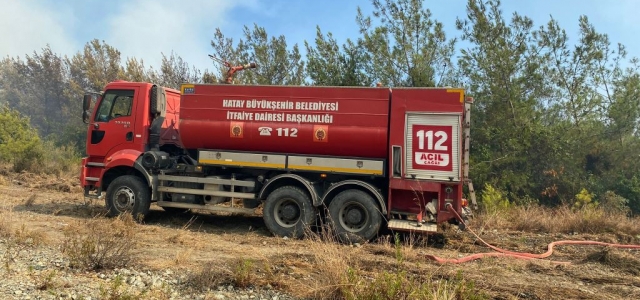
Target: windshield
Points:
(115, 104)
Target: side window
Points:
(115, 104)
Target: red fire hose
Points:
(506, 253)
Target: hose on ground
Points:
(506, 253)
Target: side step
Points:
(412, 225)
(214, 208)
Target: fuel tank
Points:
(331, 121)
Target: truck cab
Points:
(120, 127)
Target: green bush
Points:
(493, 199)
(612, 202)
(584, 199)
(60, 159)
(629, 188)
(20, 144)
(21, 147)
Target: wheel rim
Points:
(353, 217)
(287, 212)
(125, 199)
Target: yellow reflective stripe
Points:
(461, 91)
(240, 163)
(334, 169)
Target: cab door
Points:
(113, 124)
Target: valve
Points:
(233, 69)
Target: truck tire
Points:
(287, 211)
(355, 216)
(128, 194)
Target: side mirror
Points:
(85, 117)
(86, 107)
(158, 101)
(86, 101)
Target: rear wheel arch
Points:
(341, 186)
(289, 180)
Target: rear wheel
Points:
(128, 194)
(355, 216)
(287, 211)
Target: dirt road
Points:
(206, 256)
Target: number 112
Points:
(429, 135)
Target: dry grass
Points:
(341, 272)
(17, 236)
(66, 181)
(24, 236)
(99, 243)
(330, 270)
(209, 276)
(559, 220)
(221, 252)
(183, 257)
(241, 274)
(118, 290)
(16, 232)
(30, 201)
(47, 280)
(616, 259)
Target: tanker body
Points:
(290, 120)
(371, 157)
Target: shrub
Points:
(493, 200)
(243, 272)
(19, 142)
(584, 199)
(60, 159)
(21, 147)
(612, 202)
(117, 290)
(101, 243)
(629, 188)
(212, 274)
(209, 276)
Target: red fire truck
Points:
(361, 158)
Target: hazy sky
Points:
(146, 28)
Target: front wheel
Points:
(287, 211)
(128, 194)
(355, 216)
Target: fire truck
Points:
(358, 158)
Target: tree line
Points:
(555, 120)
